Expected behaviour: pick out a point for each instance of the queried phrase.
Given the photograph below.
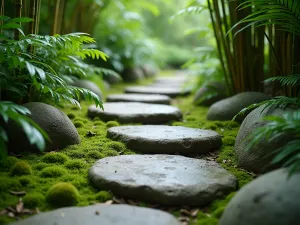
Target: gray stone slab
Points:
(101, 214)
(146, 98)
(164, 179)
(169, 91)
(166, 139)
(135, 112)
(173, 79)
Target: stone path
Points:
(101, 214)
(166, 139)
(129, 112)
(169, 91)
(145, 98)
(164, 179)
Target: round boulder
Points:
(227, 108)
(257, 158)
(204, 96)
(133, 75)
(54, 122)
(271, 199)
(88, 85)
(164, 179)
(101, 214)
(136, 112)
(166, 139)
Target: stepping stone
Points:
(146, 98)
(164, 85)
(101, 214)
(169, 91)
(177, 79)
(135, 112)
(166, 139)
(164, 179)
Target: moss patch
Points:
(103, 196)
(52, 172)
(110, 124)
(62, 194)
(21, 168)
(54, 157)
(33, 200)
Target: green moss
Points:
(211, 126)
(99, 123)
(207, 221)
(75, 164)
(114, 145)
(8, 163)
(33, 200)
(228, 140)
(54, 157)
(71, 115)
(78, 124)
(103, 196)
(94, 154)
(76, 154)
(110, 124)
(218, 213)
(62, 194)
(7, 184)
(21, 168)
(110, 152)
(77, 180)
(96, 118)
(40, 166)
(25, 181)
(178, 124)
(53, 171)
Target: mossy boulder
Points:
(258, 157)
(271, 199)
(87, 84)
(227, 108)
(210, 93)
(62, 194)
(21, 168)
(54, 122)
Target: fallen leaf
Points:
(109, 202)
(20, 206)
(10, 214)
(184, 219)
(18, 193)
(194, 212)
(184, 212)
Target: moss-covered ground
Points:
(41, 175)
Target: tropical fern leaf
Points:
(284, 13)
(290, 80)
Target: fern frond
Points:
(189, 10)
(290, 80)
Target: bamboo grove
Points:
(254, 42)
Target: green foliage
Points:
(10, 112)
(21, 168)
(55, 157)
(78, 124)
(285, 13)
(62, 194)
(75, 164)
(277, 126)
(103, 196)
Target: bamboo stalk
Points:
(56, 15)
(18, 7)
(32, 14)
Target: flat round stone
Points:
(169, 91)
(166, 139)
(164, 179)
(101, 214)
(174, 79)
(146, 98)
(135, 112)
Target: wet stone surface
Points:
(101, 214)
(164, 179)
(169, 91)
(135, 112)
(166, 139)
(146, 98)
